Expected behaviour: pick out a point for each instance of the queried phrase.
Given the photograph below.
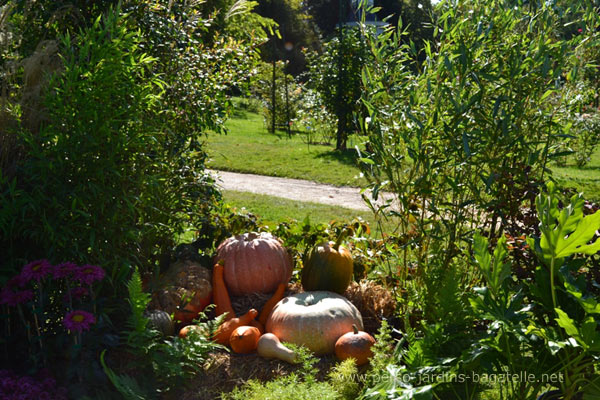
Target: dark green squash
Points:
(329, 266)
(161, 321)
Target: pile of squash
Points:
(320, 318)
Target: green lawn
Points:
(250, 148)
(585, 179)
(274, 210)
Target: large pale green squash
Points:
(313, 319)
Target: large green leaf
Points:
(587, 336)
(566, 232)
(496, 270)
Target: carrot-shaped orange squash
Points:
(220, 294)
(223, 333)
(268, 307)
(258, 325)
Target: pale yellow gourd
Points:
(269, 346)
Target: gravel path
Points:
(294, 189)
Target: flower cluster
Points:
(36, 271)
(14, 387)
(67, 281)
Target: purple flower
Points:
(7, 384)
(64, 270)
(89, 274)
(16, 281)
(11, 298)
(76, 293)
(79, 320)
(37, 270)
(6, 296)
(48, 383)
(43, 386)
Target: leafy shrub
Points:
(263, 90)
(318, 122)
(546, 327)
(464, 137)
(587, 136)
(98, 169)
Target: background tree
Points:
(295, 28)
(336, 76)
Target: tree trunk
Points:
(340, 143)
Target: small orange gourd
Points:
(223, 333)
(220, 294)
(356, 344)
(268, 307)
(244, 339)
(185, 331)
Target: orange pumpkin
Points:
(244, 339)
(184, 332)
(356, 344)
(223, 333)
(254, 263)
(313, 319)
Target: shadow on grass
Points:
(239, 113)
(348, 156)
(587, 167)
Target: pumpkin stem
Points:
(355, 329)
(343, 234)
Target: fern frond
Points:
(138, 301)
(126, 385)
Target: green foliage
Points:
(296, 29)
(494, 272)
(126, 385)
(342, 378)
(335, 73)
(317, 121)
(165, 365)
(445, 135)
(138, 301)
(304, 385)
(464, 137)
(546, 327)
(286, 103)
(89, 180)
(88, 184)
(290, 387)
